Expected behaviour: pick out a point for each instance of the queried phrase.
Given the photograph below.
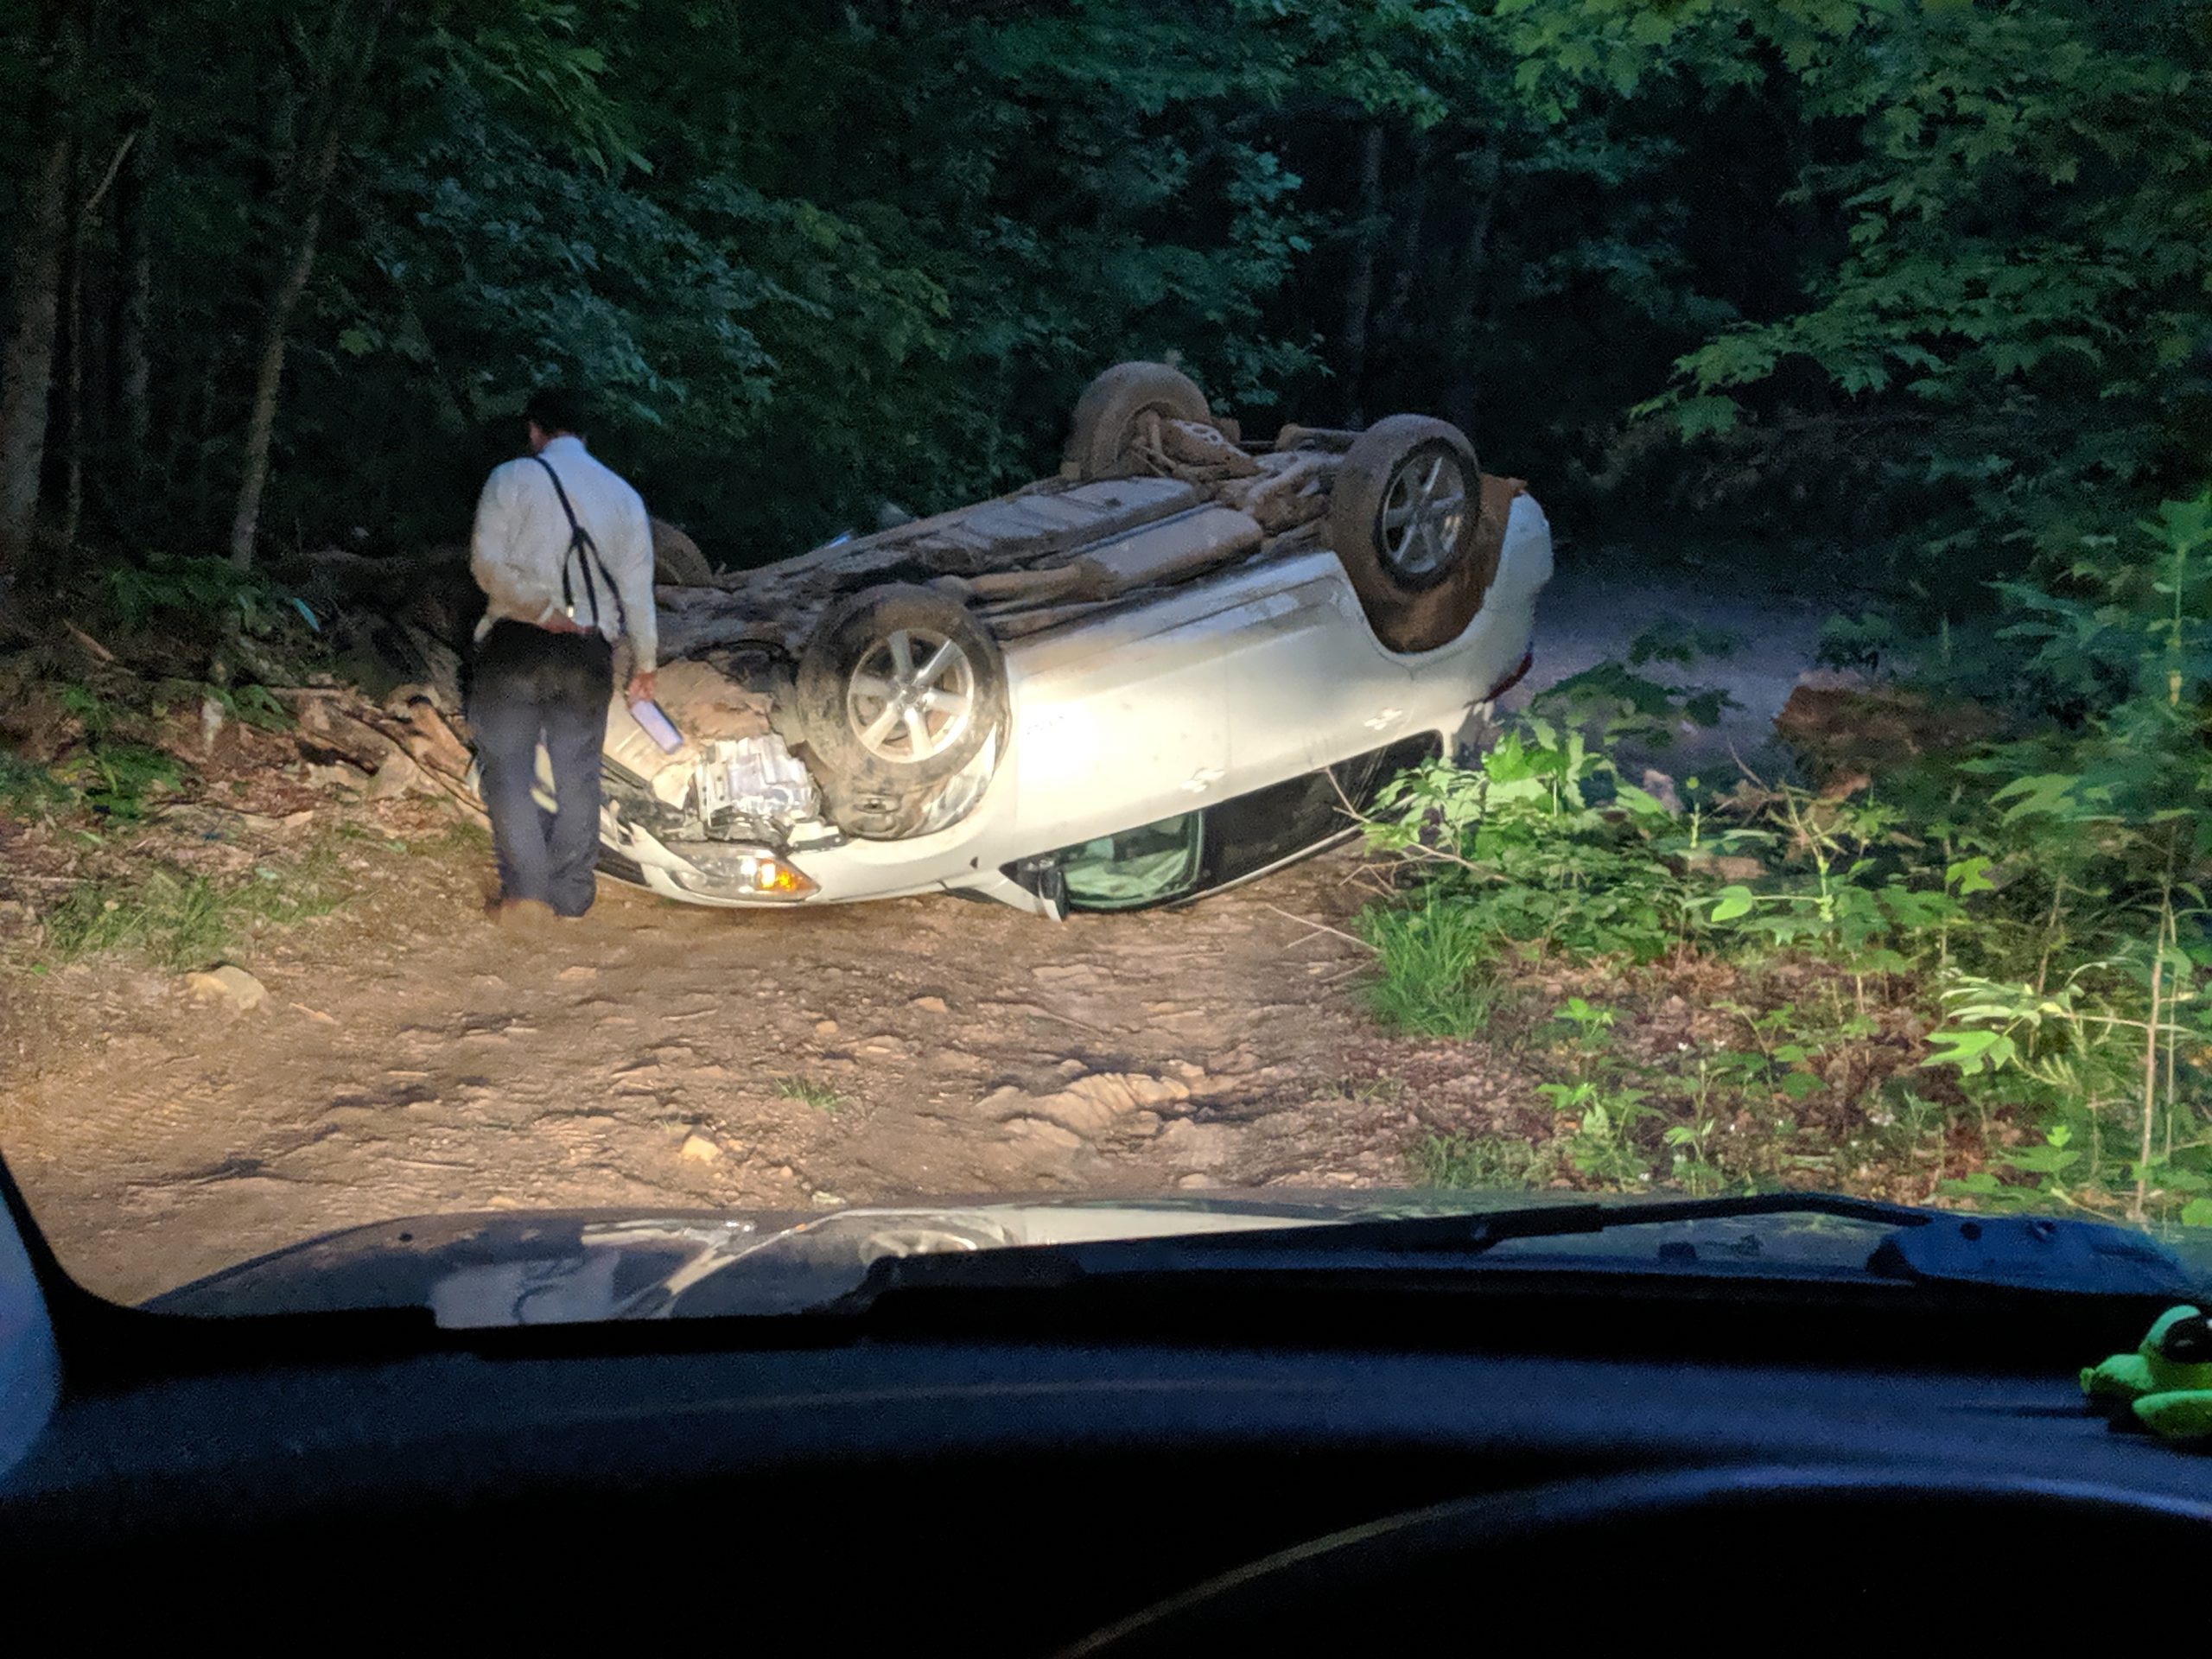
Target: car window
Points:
(1145, 866)
(1254, 831)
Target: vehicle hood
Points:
(569, 1267)
(575, 1266)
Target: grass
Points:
(820, 1096)
(1433, 978)
(182, 922)
(1474, 1162)
(26, 788)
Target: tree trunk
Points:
(84, 327)
(73, 396)
(1463, 406)
(339, 91)
(133, 356)
(1359, 287)
(1390, 326)
(261, 425)
(27, 366)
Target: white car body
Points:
(1178, 699)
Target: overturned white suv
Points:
(1180, 663)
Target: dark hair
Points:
(553, 409)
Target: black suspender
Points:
(585, 551)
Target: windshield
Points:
(624, 631)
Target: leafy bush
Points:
(200, 595)
(2029, 935)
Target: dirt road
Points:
(412, 1059)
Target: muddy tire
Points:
(1404, 520)
(677, 562)
(1107, 414)
(897, 693)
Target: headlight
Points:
(732, 873)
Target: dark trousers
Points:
(531, 686)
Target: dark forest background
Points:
(1919, 284)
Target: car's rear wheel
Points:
(1110, 415)
(1404, 518)
(898, 692)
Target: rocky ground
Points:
(399, 1056)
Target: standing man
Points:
(564, 552)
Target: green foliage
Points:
(108, 772)
(1679, 640)
(1432, 977)
(1476, 1163)
(810, 1091)
(179, 921)
(1520, 851)
(29, 790)
(198, 595)
(1622, 704)
(2031, 931)
(1907, 270)
(117, 779)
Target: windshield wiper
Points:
(1922, 1246)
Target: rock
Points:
(699, 1150)
(1067, 974)
(1661, 788)
(394, 777)
(825, 1027)
(580, 970)
(931, 1004)
(334, 776)
(234, 986)
(827, 1200)
(1196, 1183)
(1045, 1133)
(298, 820)
(1843, 732)
(1196, 1146)
(432, 741)
(1092, 1105)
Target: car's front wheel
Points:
(898, 692)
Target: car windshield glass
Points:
(1138, 866)
(676, 644)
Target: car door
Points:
(1120, 722)
(1307, 685)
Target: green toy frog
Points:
(2166, 1383)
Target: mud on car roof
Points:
(1145, 455)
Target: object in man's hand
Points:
(657, 726)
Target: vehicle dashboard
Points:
(1010, 1492)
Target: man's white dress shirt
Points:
(522, 539)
